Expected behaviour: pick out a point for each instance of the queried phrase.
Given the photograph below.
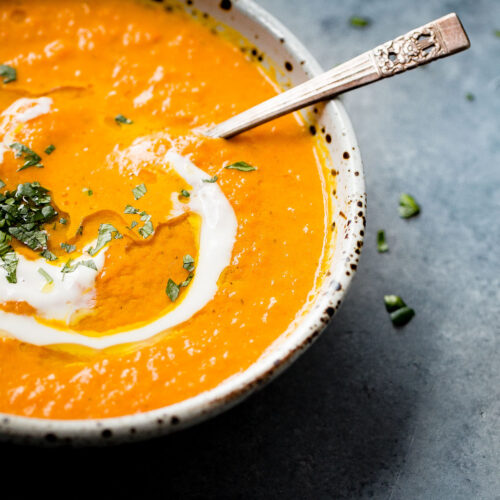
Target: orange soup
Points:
(142, 262)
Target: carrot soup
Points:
(142, 263)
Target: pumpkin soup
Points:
(142, 262)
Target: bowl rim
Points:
(231, 391)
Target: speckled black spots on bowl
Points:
(226, 4)
(312, 130)
(107, 433)
(175, 420)
(288, 66)
(346, 155)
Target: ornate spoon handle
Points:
(440, 38)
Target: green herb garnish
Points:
(8, 257)
(47, 254)
(133, 224)
(2, 184)
(172, 290)
(46, 275)
(50, 149)
(408, 207)
(68, 248)
(242, 166)
(211, 180)
(188, 263)
(31, 159)
(120, 119)
(147, 230)
(185, 193)
(400, 313)
(8, 73)
(359, 22)
(382, 245)
(139, 191)
(63, 221)
(129, 209)
(106, 233)
(497, 33)
(470, 96)
(69, 267)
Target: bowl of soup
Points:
(151, 276)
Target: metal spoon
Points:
(440, 38)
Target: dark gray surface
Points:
(369, 411)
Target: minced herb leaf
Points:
(8, 73)
(408, 207)
(23, 212)
(145, 217)
(211, 180)
(185, 193)
(90, 192)
(106, 233)
(8, 257)
(50, 149)
(46, 275)
(400, 313)
(63, 221)
(147, 230)
(139, 191)
(497, 33)
(172, 290)
(382, 245)
(69, 267)
(129, 209)
(133, 224)
(359, 22)
(68, 248)
(187, 281)
(31, 159)
(47, 254)
(242, 166)
(120, 119)
(188, 263)
(470, 96)
(2, 184)
(402, 316)
(393, 302)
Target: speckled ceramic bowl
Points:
(272, 44)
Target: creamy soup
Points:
(142, 262)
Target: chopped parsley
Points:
(63, 221)
(139, 191)
(133, 224)
(211, 180)
(106, 233)
(242, 166)
(399, 312)
(31, 159)
(120, 119)
(408, 207)
(497, 33)
(50, 149)
(68, 248)
(470, 96)
(8, 73)
(46, 275)
(147, 230)
(185, 193)
(359, 22)
(382, 245)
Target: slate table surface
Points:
(368, 411)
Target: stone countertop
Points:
(368, 411)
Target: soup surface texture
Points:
(142, 263)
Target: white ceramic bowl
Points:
(280, 48)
